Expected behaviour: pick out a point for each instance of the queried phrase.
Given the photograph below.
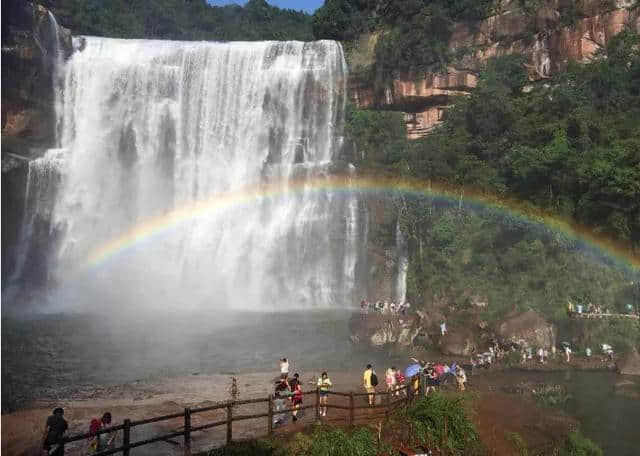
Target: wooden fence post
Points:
(317, 404)
(270, 416)
(187, 431)
(387, 413)
(229, 422)
(352, 410)
(126, 437)
(444, 437)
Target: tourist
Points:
(284, 367)
(392, 308)
(279, 400)
(104, 441)
(588, 352)
(370, 381)
(324, 385)
(55, 429)
(406, 307)
(432, 381)
(541, 355)
(569, 309)
(608, 350)
(233, 390)
(443, 328)
(567, 353)
(296, 398)
(461, 378)
(523, 356)
(390, 379)
(364, 306)
(400, 383)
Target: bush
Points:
(577, 444)
(429, 416)
(335, 442)
(260, 447)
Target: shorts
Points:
(371, 389)
(324, 393)
(297, 401)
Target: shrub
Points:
(429, 416)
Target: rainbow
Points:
(375, 186)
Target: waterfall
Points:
(403, 265)
(151, 127)
(56, 69)
(41, 183)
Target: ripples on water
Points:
(44, 355)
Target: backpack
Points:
(374, 379)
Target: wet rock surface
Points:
(545, 37)
(529, 327)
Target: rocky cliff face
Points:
(31, 44)
(546, 37)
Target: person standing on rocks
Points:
(104, 441)
(233, 390)
(390, 379)
(55, 430)
(296, 399)
(284, 367)
(443, 328)
(370, 381)
(279, 400)
(324, 385)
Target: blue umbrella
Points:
(412, 370)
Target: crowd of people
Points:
(386, 307)
(289, 389)
(424, 378)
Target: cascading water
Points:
(149, 127)
(403, 265)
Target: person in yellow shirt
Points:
(369, 383)
(324, 385)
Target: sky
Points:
(307, 5)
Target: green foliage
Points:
(518, 443)
(572, 148)
(416, 32)
(182, 20)
(259, 447)
(378, 134)
(335, 442)
(577, 444)
(619, 333)
(430, 416)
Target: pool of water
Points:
(49, 355)
(45, 355)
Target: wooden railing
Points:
(387, 404)
(604, 315)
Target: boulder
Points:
(629, 364)
(378, 330)
(528, 326)
(458, 342)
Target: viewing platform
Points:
(604, 315)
